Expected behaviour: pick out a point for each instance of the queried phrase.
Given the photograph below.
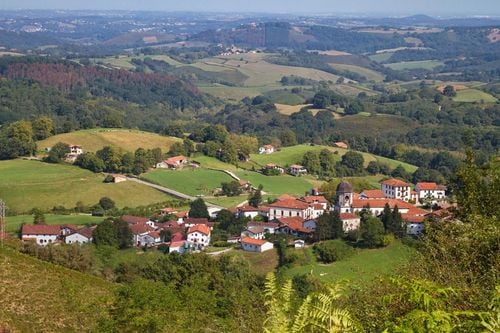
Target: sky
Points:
(384, 7)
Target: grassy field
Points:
(291, 155)
(424, 64)
(290, 109)
(190, 181)
(277, 185)
(379, 124)
(13, 223)
(260, 263)
(41, 297)
(125, 139)
(285, 96)
(228, 202)
(473, 95)
(370, 74)
(28, 184)
(381, 57)
(363, 267)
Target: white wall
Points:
(76, 239)
(41, 239)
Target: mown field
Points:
(277, 185)
(363, 267)
(370, 74)
(125, 139)
(13, 223)
(424, 64)
(29, 184)
(260, 263)
(473, 95)
(189, 181)
(41, 297)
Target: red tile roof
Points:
(177, 237)
(169, 210)
(175, 159)
(373, 194)
(41, 229)
(262, 224)
(380, 203)
(295, 223)
(315, 198)
(134, 219)
(243, 182)
(317, 206)
(203, 228)
(87, 232)
(285, 196)
(296, 166)
(248, 209)
(413, 218)
(348, 216)
(395, 182)
(429, 186)
(290, 204)
(139, 228)
(341, 144)
(253, 241)
(181, 214)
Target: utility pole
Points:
(2, 222)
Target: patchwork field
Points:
(370, 74)
(29, 184)
(40, 297)
(277, 185)
(379, 124)
(381, 57)
(425, 64)
(363, 267)
(473, 95)
(125, 139)
(290, 109)
(13, 223)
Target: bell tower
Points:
(344, 197)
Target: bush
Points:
(388, 240)
(331, 251)
(221, 244)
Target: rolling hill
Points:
(125, 139)
(29, 184)
(41, 297)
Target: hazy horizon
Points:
(381, 7)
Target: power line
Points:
(2, 222)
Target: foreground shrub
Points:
(331, 251)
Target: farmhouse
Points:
(297, 170)
(432, 191)
(376, 206)
(317, 199)
(266, 149)
(247, 211)
(150, 239)
(396, 189)
(199, 236)
(273, 167)
(167, 211)
(288, 208)
(74, 152)
(139, 230)
(350, 221)
(255, 245)
(269, 227)
(294, 226)
(254, 232)
(177, 246)
(175, 162)
(41, 234)
(372, 194)
(81, 236)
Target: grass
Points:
(381, 57)
(363, 267)
(189, 181)
(13, 223)
(379, 125)
(42, 297)
(228, 202)
(370, 74)
(290, 109)
(291, 155)
(125, 139)
(473, 95)
(29, 184)
(424, 64)
(260, 263)
(285, 97)
(277, 185)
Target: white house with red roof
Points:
(269, 227)
(255, 245)
(150, 239)
(350, 221)
(199, 236)
(290, 207)
(317, 199)
(248, 211)
(372, 194)
(414, 219)
(80, 236)
(294, 226)
(376, 206)
(257, 232)
(41, 234)
(175, 162)
(396, 189)
(139, 230)
(430, 190)
(297, 170)
(266, 149)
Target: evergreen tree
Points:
(386, 217)
(198, 209)
(38, 217)
(255, 199)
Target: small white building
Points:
(74, 152)
(175, 162)
(255, 245)
(297, 170)
(266, 149)
(248, 211)
(350, 221)
(269, 227)
(432, 191)
(199, 236)
(396, 189)
(299, 244)
(290, 208)
(81, 236)
(177, 246)
(139, 230)
(150, 239)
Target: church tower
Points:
(344, 197)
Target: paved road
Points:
(170, 191)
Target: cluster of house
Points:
(287, 215)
